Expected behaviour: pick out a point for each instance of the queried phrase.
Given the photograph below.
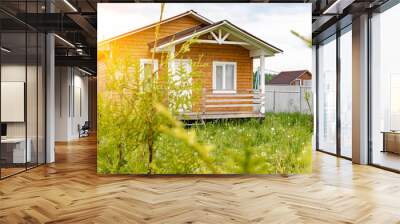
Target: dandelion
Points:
(263, 154)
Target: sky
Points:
(271, 22)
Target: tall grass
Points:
(280, 144)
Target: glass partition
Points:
(13, 94)
(22, 77)
(31, 99)
(327, 95)
(346, 93)
(41, 97)
(385, 89)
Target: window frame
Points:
(214, 74)
(144, 61)
(182, 61)
(298, 82)
(189, 61)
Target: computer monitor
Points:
(3, 129)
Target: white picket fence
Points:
(290, 99)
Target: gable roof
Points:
(260, 46)
(191, 13)
(199, 30)
(286, 77)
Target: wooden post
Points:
(171, 58)
(171, 68)
(262, 83)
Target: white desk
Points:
(19, 155)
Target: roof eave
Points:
(266, 47)
(191, 13)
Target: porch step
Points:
(232, 100)
(233, 95)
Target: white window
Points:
(147, 66)
(297, 82)
(182, 66)
(224, 77)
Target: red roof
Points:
(286, 77)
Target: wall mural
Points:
(176, 93)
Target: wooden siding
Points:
(207, 53)
(136, 47)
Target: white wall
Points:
(9, 73)
(71, 87)
(80, 94)
(34, 125)
(12, 73)
(62, 82)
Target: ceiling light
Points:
(70, 5)
(5, 50)
(79, 51)
(64, 40)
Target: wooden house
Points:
(291, 78)
(227, 50)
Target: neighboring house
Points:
(292, 78)
(227, 50)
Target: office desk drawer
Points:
(391, 142)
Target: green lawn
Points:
(281, 143)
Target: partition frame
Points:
(381, 9)
(44, 94)
(337, 34)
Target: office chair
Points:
(84, 130)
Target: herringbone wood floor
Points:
(70, 191)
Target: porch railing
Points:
(211, 100)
